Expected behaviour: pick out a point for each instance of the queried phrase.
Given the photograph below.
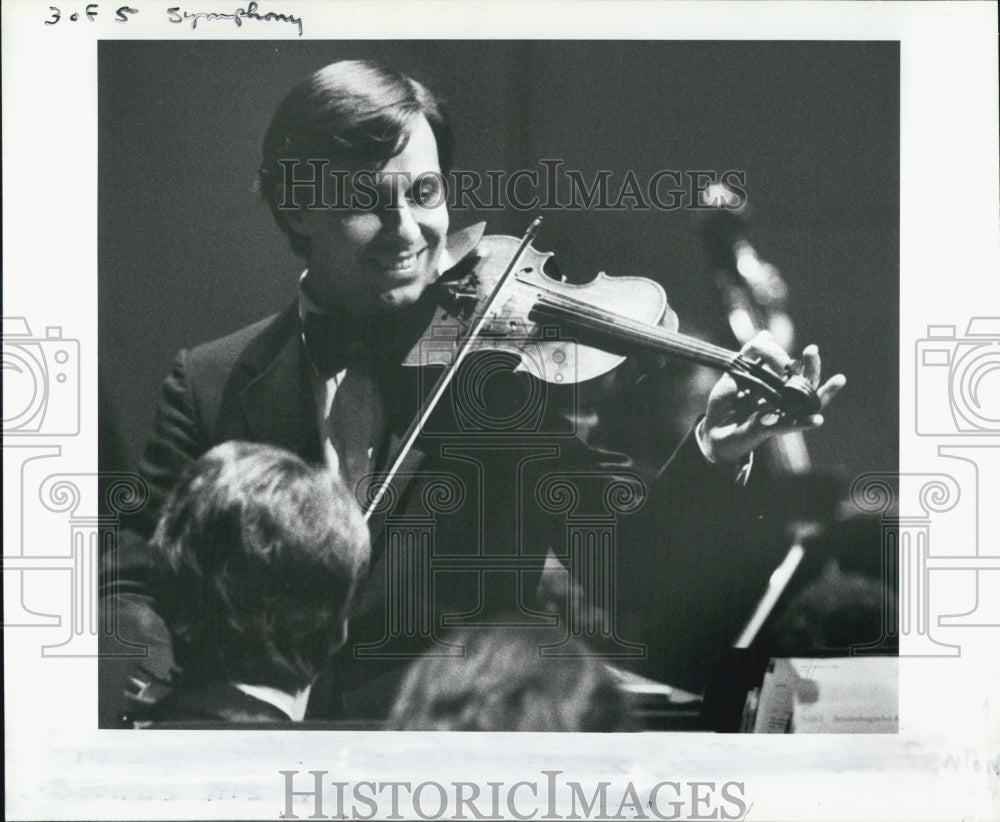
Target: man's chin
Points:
(401, 296)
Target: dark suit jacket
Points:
(479, 504)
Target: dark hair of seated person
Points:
(836, 612)
(257, 556)
(504, 683)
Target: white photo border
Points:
(944, 762)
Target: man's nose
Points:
(402, 222)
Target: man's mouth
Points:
(402, 265)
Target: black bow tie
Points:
(329, 339)
(388, 336)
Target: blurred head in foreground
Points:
(836, 612)
(503, 683)
(257, 557)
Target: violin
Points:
(563, 333)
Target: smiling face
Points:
(379, 258)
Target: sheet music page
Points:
(843, 696)
(830, 695)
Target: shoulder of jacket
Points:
(264, 336)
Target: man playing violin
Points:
(323, 379)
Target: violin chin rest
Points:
(460, 243)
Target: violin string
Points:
(662, 340)
(565, 307)
(657, 337)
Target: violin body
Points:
(559, 350)
(500, 299)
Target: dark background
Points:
(188, 252)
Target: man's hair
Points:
(503, 683)
(357, 115)
(256, 559)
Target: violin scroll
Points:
(790, 393)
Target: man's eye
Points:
(427, 192)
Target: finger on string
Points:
(793, 368)
(765, 348)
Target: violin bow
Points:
(427, 408)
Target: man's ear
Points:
(293, 209)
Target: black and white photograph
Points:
(438, 383)
(600, 507)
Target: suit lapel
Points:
(277, 402)
(278, 407)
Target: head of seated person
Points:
(257, 558)
(504, 683)
(837, 611)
